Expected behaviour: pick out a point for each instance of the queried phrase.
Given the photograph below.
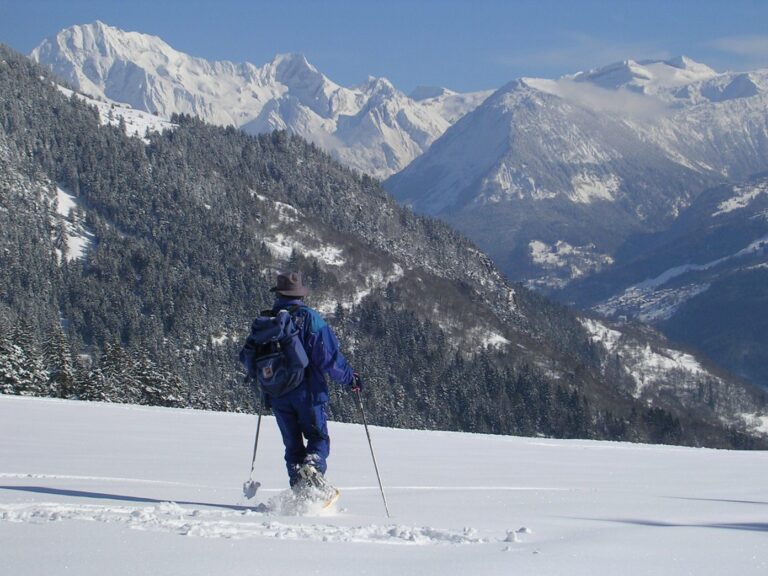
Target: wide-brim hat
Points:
(289, 284)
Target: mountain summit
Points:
(648, 76)
(373, 128)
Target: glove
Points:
(357, 382)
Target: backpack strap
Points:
(298, 322)
(291, 310)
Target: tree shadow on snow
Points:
(124, 498)
(748, 526)
(719, 500)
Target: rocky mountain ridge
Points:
(373, 128)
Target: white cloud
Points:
(621, 101)
(746, 52)
(577, 51)
(752, 46)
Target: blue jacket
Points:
(322, 348)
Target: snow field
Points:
(89, 488)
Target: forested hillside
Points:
(130, 269)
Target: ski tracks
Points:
(172, 518)
(240, 522)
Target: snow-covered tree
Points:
(58, 361)
(156, 386)
(15, 375)
(115, 376)
(24, 363)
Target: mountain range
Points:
(631, 190)
(152, 252)
(373, 127)
(552, 176)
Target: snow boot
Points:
(312, 485)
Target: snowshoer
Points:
(301, 412)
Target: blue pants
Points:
(298, 417)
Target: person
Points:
(301, 414)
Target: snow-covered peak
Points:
(447, 103)
(134, 68)
(647, 76)
(731, 86)
(696, 68)
(292, 74)
(615, 75)
(292, 68)
(292, 60)
(99, 42)
(373, 128)
(427, 92)
(379, 86)
(517, 84)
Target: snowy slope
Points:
(136, 122)
(110, 489)
(373, 127)
(702, 281)
(76, 239)
(650, 368)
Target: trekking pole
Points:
(370, 445)
(250, 487)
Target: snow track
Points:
(234, 524)
(236, 521)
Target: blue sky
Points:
(464, 45)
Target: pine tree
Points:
(58, 361)
(156, 386)
(14, 377)
(8, 376)
(34, 379)
(92, 386)
(116, 369)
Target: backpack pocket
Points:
(275, 375)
